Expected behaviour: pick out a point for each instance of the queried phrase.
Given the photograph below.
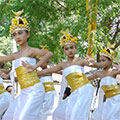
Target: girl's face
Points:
(69, 50)
(21, 36)
(105, 59)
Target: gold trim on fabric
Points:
(110, 90)
(77, 80)
(26, 79)
(2, 89)
(49, 86)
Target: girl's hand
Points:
(90, 60)
(29, 67)
(4, 75)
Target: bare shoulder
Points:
(80, 61)
(37, 51)
(98, 73)
(12, 56)
(63, 65)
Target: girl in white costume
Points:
(50, 99)
(109, 96)
(28, 104)
(77, 105)
(4, 99)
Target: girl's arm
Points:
(5, 71)
(4, 75)
(7, 58)
(50, 70)
(92, 77)
(89, 61)
(45, 56)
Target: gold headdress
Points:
(108, 52)
(19, 23)
(67, 38)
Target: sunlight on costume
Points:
(77, 105)
(4, 98)
(28, 104)
(110, 109)
(50, 99)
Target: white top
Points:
(1, 80)
(67, 71)
(18, 62)
(73, 68)
(46, 79)
(108, 81)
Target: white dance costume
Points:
(50, 99)
(28, 104)
(77, 105)
(4, 98)
(110, 109)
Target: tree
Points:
(48, 17)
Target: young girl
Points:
(109, 96)
(4, 97)
(77, 105)
(28, 104)
(50, 99)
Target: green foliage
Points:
(48, 17)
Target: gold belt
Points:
(49, 86)
(110, 90)
(26, 79)
(2, 90)
(77, 80)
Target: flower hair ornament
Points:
(108, 52)
(67, 38)
(19, 23)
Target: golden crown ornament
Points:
(67, 38)
(19, 23)
(108, 52)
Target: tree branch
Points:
(60, 4)
(63, 5)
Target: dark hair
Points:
(8, 87)
(107, 58)
(67, 91)
(27, 32)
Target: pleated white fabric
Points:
(4, 101)
(28, 104)
(77, 105)
(110, 109)
(50, 101)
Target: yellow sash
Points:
(26, 79)
(2, 90)
(49, 86)
(110, 90)
(77, 80)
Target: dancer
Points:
(50, 99)
(77, 105)
(28, 104)
(73, 75)
(109, 96)
(4, 98)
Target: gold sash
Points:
(77, 80)
(110, 90)
(49, 86)
(2, 89)
(26, 79)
